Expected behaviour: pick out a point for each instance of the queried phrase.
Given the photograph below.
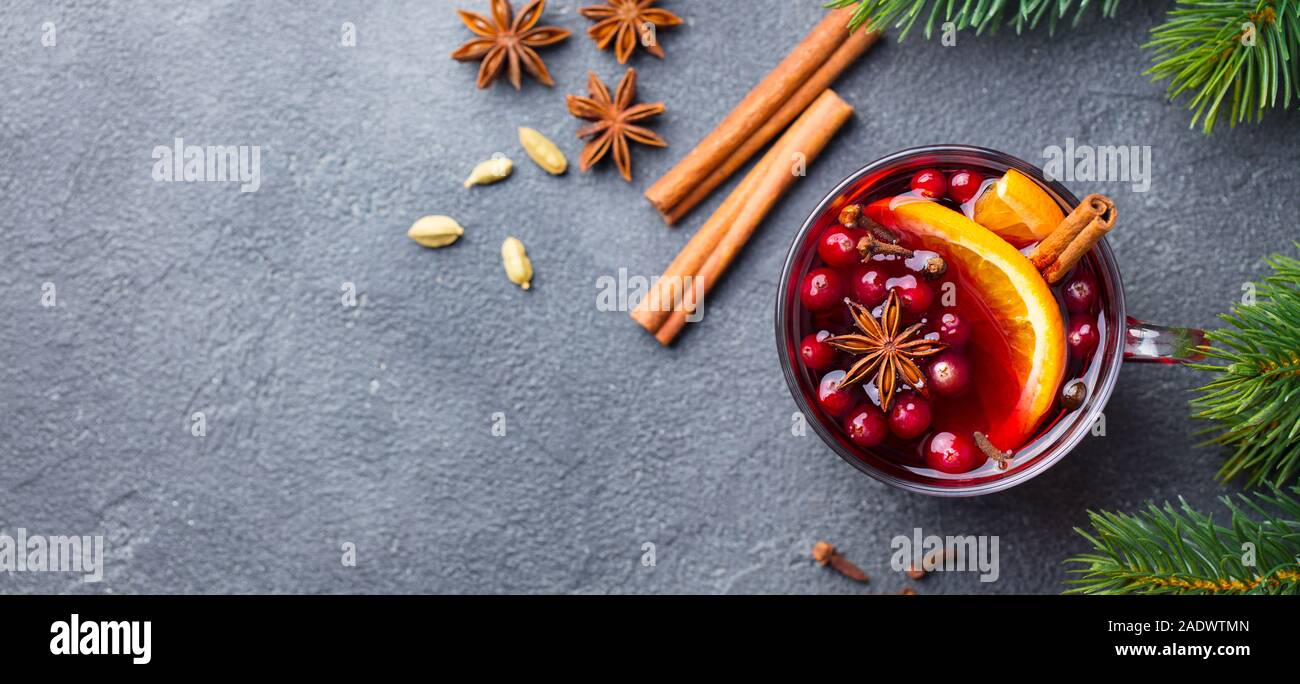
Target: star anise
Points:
(613, 122)
(623, 21)
(885, 351)
(508, 43)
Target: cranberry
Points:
(839, 247)
(953, 453)
(949, 373)
(1080, 293)
(814, 351)
(914, 293)
(910, 415)
(929, 183)
(868, 283)
(834, 400)
(963, 185)
(1083, 337)
(822, 289)
(866, 426)
(835, 319)
(954, 329)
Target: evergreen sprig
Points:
(1255, 401)
(966, 14)
(1233, 58)
(1168, 550)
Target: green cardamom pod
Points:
(518, 267)
(490, 171)
(543, 151)
(435, 231)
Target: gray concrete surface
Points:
(372, 424)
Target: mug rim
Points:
(1110, 360)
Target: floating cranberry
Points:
(837, 319)
(866, 426)
(1083, 337)
(909, 417)
(954, 329)
(929, 183)
(915, 293)
(822, 289)
(839, 247)
(868, 285)
(949, 373)
(814, 351)
(963, 185)
(834, 399)
(1080, 293)
(953, 453)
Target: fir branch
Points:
(965, 14)
(1181, 551)
(1255, 400)
(1233, 57)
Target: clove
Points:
(880, 232)
(1074, 394)
(870, 245)
(849, 215)
(825, 554)
(935, 267)
(932, 560)
(1002, 457)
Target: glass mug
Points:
(1061, 432)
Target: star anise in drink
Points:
(886, 352)
(508, 42)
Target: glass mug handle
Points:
(1149, 343)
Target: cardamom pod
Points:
(435, 231)
(518, 268)
(490, 171)
(543, 151)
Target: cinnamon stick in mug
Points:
(1089, 221)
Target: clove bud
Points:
(932, 559)
(870, 245)
(880, 232)
(935, 267)
(1074, 394)
(825, 554)
(849, 215)
(1002, 457)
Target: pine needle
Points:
(1228, 59)
(1254, 403)
(1168, 550)
(980, 15)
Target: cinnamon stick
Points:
(754, 111)
(774, 175)
(666, 293)
(852, 48)
(1074, 237)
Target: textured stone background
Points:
(372, 424)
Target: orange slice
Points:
(1017, 209)
(1016, 298)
